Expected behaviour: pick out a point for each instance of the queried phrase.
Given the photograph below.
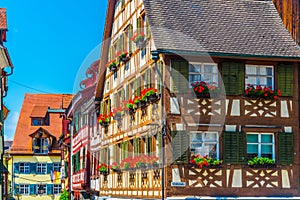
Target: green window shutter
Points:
(138, 81)
(115, 96)
(32, 189)
(233, 148)
(111, 56)
(118, 45)
(127, 93)
(160, 74)
(102, 108)
(148, 78)
(159, 141)
(108, 106)
(233, 76)
(136, 146)
(122, 42)
(130, 35)
(49, 188)
(286, 79)
(180, 76)
(147, 29)
(83, 158)
(285, 148)
(138, 24)
(180, 146)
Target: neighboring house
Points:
(7, 169)
(83, 117)
(35, 152)
(6, 70)
(210, 121)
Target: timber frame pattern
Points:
(231, 115)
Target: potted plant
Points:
(130, 106)
(204, 161)
(45, 147)
(103, 168)
(117, 113)
(150, 94)
(123, 56)
(115, 167)
(104, 119)
(139, 39)
(153, 161)
(205, 90)
(262, 92)
(112, 65)
(36, 147)
(127, 164)
(261, 162)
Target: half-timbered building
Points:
(198, 98)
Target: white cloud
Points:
(10, 125)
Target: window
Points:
(24, 189)
(24, 167)
(40, 121)
(56, 189)
(41, 188)
(56, 167)
(41, 145)
(41, 168)
(259, 75)
(260, 145)
(203, 72)
(205, 144)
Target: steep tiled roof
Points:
(3, 24)
(243, 27)
(22, 142)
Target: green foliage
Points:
(261, 161)
(64, 195)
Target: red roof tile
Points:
(22, 142)
(3, 23)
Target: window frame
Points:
(24, 187)
(260, 143)
(25, 169)
(203, 143)
(38, 187)
(259, 76)
(202, 72)
(41, 168)
(56, 189)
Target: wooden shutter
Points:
(33, 168)
(159, 144)
(233, 148)
(286, 79)
(180, 76)
(49, 168)
(32, 189)
(130, 35)
(159, 77)
(102, 108)
(49, 188)
(180, 146)
(127, 93)
(16, 189)
(121, 42)
(233, 76)
(16, 168)
(108, 108)
(138, 24)
(285, 148)
(111, 56)
(148, 78)
(147, 29)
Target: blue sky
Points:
(51, 43)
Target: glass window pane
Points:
(269, 82)
(250, 70)
(210, 137)
(252, 148)
(194, 68)
(208, 68)
(251, 80)
(265, 138)
(262, 71)
(252, 138)
(269, 71)
(266, 149)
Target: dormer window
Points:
(40, 116)
(40, 145)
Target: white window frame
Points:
(56, 167)
(258, 76)
(25, 168)
(41, 168)
(203, 147)
(56, 189)
(202, 72)
(24, 189)
(259, 143)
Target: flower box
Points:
(205, 90)
(261, 92)
(112, 65)
(261, 162)
(199, 161)
(123, 57)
